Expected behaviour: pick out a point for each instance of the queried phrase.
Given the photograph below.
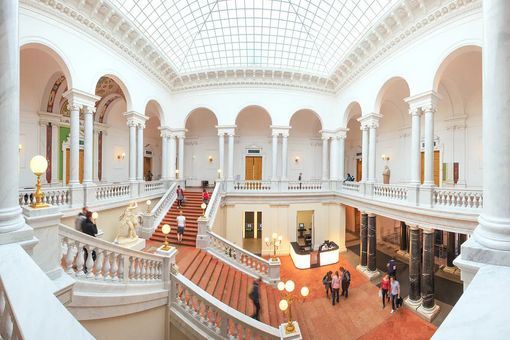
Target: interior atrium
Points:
(194, 169)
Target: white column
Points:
(428, 168)
(221, 151)
(364, 153)
(139, 152)
(333, 159)
(42, 144)
(325, 158)
(74, 148)
(88, 144)
(164, 155)
(181, 157)
(415, 147)
(95, 156)
(230, 156)
(54, 152)
(493, 230)
(341, 156)
(132, 150)
(10, 211)
(284, 155)
(371, 152)
(172, 156)
(274, 163)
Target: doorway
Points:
(304, 224)
(253, 168)
(358, 169)
(252, 232)
(436, 167)
(147, 168)
(68, 166)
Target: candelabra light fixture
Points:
(385, 157)
(288, 298)
(274, 242)
(38, 165)
(165, 229)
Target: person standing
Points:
(82, 216)
(205, 196)
(385, 286)
(181, 224)
(346, 282)
(88, 227)
(335, 288)
(395, 293)
(255, 298)
(300, 177)
(392, 267)
(326, 281)
(180, 197)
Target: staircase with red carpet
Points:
(228, 285)
(192, 211)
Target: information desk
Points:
(302, 258)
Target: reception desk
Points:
(303, 259)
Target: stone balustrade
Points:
(9, 329)
(153, 186)
(152, 220)
(311, 185)
(458, 198)
(59, 196)
(390, 191)
(252, 186)
(113, 191)
(350, 187)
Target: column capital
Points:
(164, 131)
(370, 120)
(412, 226)
(426, 101)
(226, 129)
(341, 133)
(280, 129)
(427, 230)
(179, 133)
(80, 98)
(135, 118)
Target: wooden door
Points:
(253, 168)
(68, 166)
(436, 167)
(147, 167)
(358, 170)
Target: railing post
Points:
(168, 263)
(202, 236)
(273, 271)
(146, 227)
(90, 194)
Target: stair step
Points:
(220, 287)
(206, 277)
(264, 305)
(192, 268)
(215, 278)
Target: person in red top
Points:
(385, 287)
(180, 197)
(205, 196)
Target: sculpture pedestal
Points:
(130, 243)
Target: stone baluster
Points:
(99, 264)
(80, 260)
(89, 263)
(107, 266)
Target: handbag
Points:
(380, 293)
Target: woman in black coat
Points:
(89, 228)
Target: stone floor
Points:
(361, 316)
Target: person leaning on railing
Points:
(89, 228)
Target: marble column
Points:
(493, 230)
(274, 155)
(333, 159)
(139, 152)
(95, 167)
(10, 211)
(181, 157)
(415, 161)
(371, 152)
(427, 273)
(364, 153)
(372, 243)
(403, 236)
(164, 155)
(132, 150)
(230, 156)
(54, 152)
(172, 156)
(74, 147)
(221, 151)
(450, 249)
(428, 167)
(284, 155)
(414, 265)
(43, 128)
(325, 141)
(88, 144)
(363, 239)
(341, 156)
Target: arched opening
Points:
(304, 155)
(201, 148)
(353, 142)
(152, 157)
(44, 77)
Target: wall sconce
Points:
(210, 159)
(385, 157)
(20, 147)
(121, 156)
(296, 159)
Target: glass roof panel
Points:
(296, 35)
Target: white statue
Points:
(129, 222)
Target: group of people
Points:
(390, 287)
(332, 283)
(85, 224)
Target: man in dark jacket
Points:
(346, 281)
(89, 228)
(255, 296)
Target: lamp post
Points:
(285, 304)
(275, 242)
(148, 203)
(165, 229)
(38, 165)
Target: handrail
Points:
(113, 190)
(214, 203)
(391, 191)
(9, 327)
(212, 316)
(458, 198)
(309, 185)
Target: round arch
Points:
(387, 86)
(353, 110)
(153, 108)
(450, 56)
(196, 111)
(120, 83)
(256, 108)
(307, 111)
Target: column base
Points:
(370, 275)
(369, 188)
(428, 313)
(411, 304)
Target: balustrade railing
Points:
(391, 191)
(113, 191)
(214, 204)
(9, 329)
(152, 220)
(153, 186)
(213, 317)
(54, 196)
(350, 187)
(87, 258)
(252, 186)
(458, 198)
(313, 185)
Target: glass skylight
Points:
(295, 35)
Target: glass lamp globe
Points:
(148, 202)
(95, 215)
(203, 206)
(281, 286)
(266, 239)
(289, 286)
(38, 165)
(283, 305)
(165, 229)
(280, 238)
(275, 236)
(305, 291)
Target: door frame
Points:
(261, 155)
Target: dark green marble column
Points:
(427, 271)
(372, 244)
(414, 264)
(363, 239)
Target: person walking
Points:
(392, 267)
(181, 224)
(180, 197)
(326, 281)
(346, 282)
(255, 298)
(395, 293)
(205, 196)
(335, 291)
(385, 286)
